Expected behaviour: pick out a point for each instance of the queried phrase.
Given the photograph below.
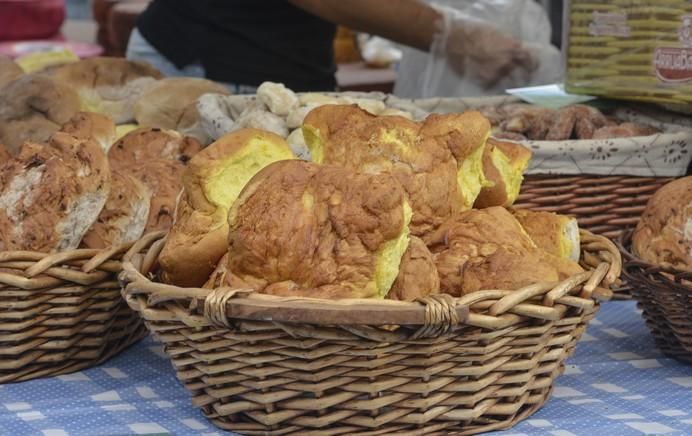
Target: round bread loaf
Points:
(50, 194)
(171, 103)
(664, 233)
(32, 108)
(110, 86)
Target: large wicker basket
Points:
(63, 312)
(665, 297)
(259, 364)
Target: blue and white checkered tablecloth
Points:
(617, 383)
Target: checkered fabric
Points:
(616, 384)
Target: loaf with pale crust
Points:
(110, 86)
(9, 71)
(50, 194)
(171, 103)
(32, 108)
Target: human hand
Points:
(478, 49)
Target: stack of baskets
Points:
(63, 312)
(262, 364)
(665, 297)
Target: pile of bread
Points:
(82, 188)
(520, 121)
(34, 106)
(664, 233)
(386, 207)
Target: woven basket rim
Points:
(624, 244)
(41, 270)
(244, 304)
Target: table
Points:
(617, 383)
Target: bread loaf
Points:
(163, 179)
(148, 144)
(85, 125)
(9, 71)
(424, 165)
(171, 103)
(417, 273)
(504, 164)
(556, 234)
(301, 229)
(50, 194)
(213, 181)
(110, 86)
(32, 108)
(124, 216)
(488, 249)
(664, 233)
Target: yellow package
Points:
(631, 50)
(39, 60)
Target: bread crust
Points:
(124, 216)
(32, 108)
(50, 194)
(664, 233)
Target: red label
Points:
(673, 64)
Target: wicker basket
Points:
(260, 364)
(665, 297)
(60, 313)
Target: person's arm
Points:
(409, 22)
(470, 46)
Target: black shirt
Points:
(245, 42)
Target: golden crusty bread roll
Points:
(32, 108)
(419, 156)
(417, 273)
(465, 135)
(163, 179)
(504, 163)
(149, 144)
(664, 233)
(488, 249)
(91, 125)
(212, 182)
(171, 103)
(556, 234)
(50, 194)
(110, 86)
(124, 216)
(321, 231)
(9, 71)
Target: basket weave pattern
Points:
(665, 297)
(260, 364)
(60, 313)
(605, 205)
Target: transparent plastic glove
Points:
(477, 49)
